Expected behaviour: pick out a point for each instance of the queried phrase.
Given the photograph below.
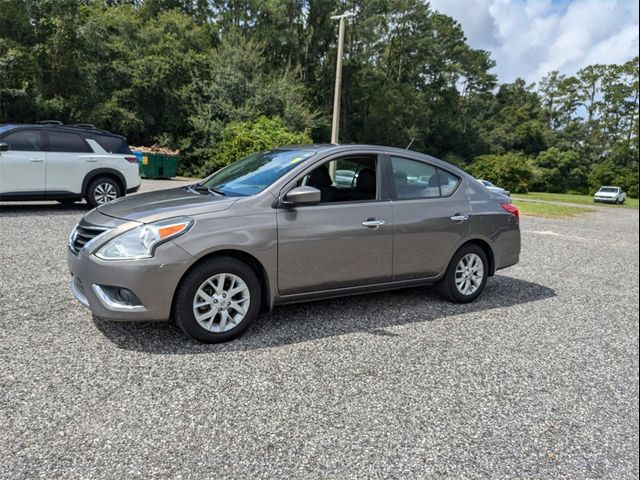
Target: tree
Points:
(510, 171)
(559, 171)
(239, 139)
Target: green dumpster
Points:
(159, 165)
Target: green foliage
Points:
(510, 171)
(239, 139)
(558, 171)
(181, 72)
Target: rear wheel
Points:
(218, 300)
(102, 190)
(466, 275)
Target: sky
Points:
(529, 38)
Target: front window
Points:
(355, 179)
(609, 190)
(254, 173)
(24, 140)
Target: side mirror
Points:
(302, 196)
(4, 147)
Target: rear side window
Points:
(413, 179)
(448, 182)
(24, 140)
(111, 144)
(67, 142)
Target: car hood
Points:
(606, 194)
(153, 206)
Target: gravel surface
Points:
(537, 379)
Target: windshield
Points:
(609, 189)
(254, 173)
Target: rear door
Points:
(431, 210)
(335, 244)
(69, 159)
(22, 167)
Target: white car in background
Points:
(610, 195)
(51, 161)
(490, 186)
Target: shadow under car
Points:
(302, 322)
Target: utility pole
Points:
(335, 124)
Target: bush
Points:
(243, 138)
(608, 173)
(509, 171)
(558, 171)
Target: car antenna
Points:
(410, 143)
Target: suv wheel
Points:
(466, 275)
(217, 300)
(102, 190)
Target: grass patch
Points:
(549, 210)
(569, 198)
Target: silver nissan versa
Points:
(281, 226)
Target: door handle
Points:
(36, 160)
(92, 159)
(373, 223)
(460, 218)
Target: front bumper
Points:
(153, 281)
(605, 199)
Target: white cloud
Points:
(528, 38)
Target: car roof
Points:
(337, 148)
(75, 128)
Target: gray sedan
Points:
(276, 227)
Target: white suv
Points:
(51, 161)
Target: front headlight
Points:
(141, 242)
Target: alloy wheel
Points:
(469, 274)
(221, 302)
(105, 192)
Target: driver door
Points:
(337, 243)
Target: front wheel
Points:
(218, 300)
(466, 275)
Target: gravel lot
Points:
(537, 379)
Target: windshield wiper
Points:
(211, 190)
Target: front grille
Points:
(82, 235)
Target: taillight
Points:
(131, 159)
(511, 208)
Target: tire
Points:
(217, 326)
(102, 190)
(448, 288)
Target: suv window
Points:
(66, 142)
(111, 144)
(24, 140)
(414, 179)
